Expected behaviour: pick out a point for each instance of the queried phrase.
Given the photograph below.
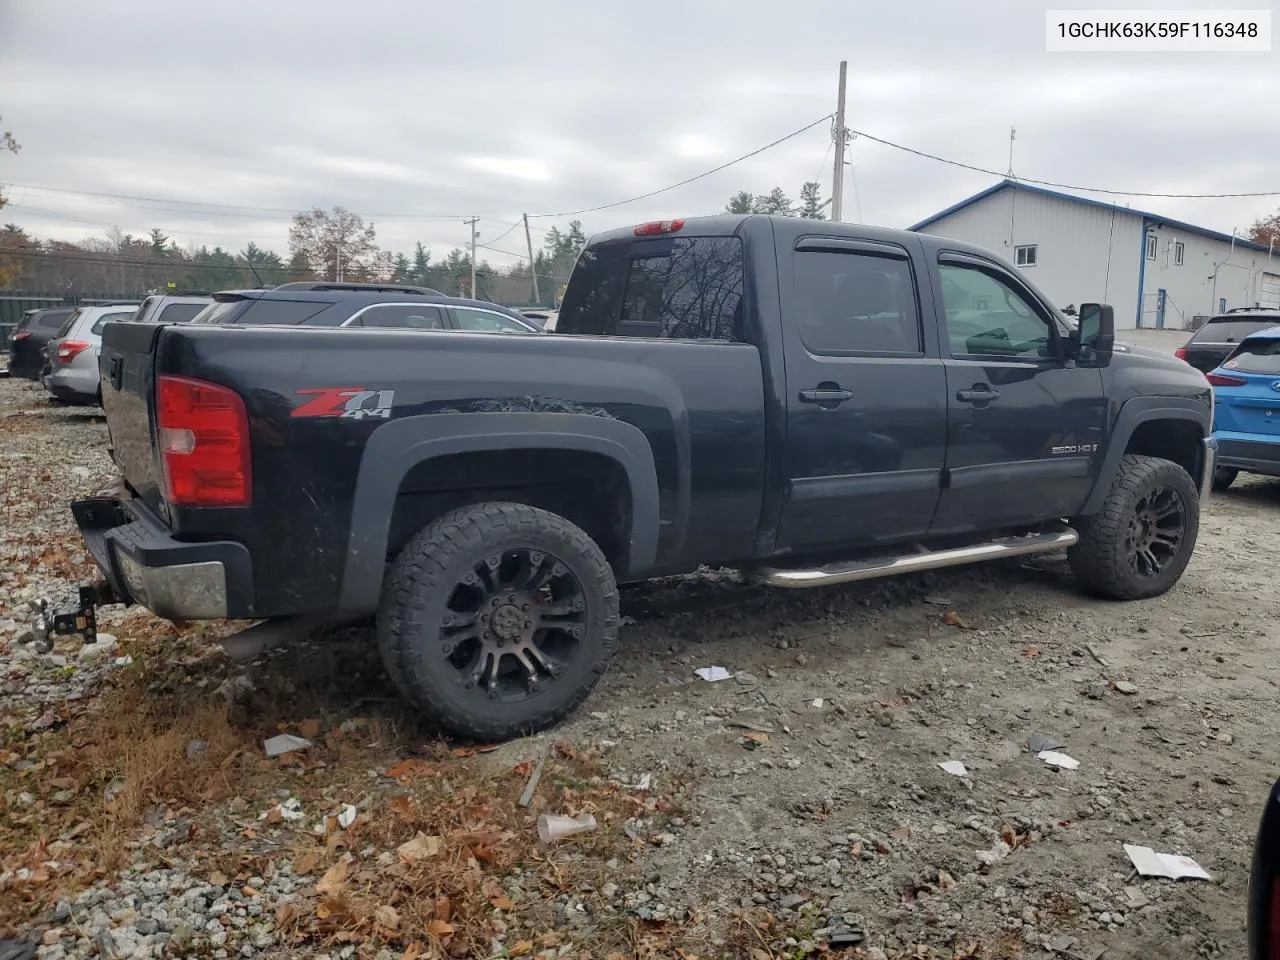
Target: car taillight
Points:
(658, 227)
(1220, 380)
(1181, 353)
(21, 336)
(68, 350)
(204, 443)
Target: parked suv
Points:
(1220, 335)
(172, 307)
(71, 358)
(35, 329)
(361, 305)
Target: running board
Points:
(850, 570)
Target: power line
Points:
(654, 193)
(1060, 186)
(506, 231)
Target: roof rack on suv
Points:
(1253, 309)
(358, 287)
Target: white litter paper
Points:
(1056, 759)
(291, 809)
(712, 674)
(284, 743)
(1172, 866)
(818, 702)
(347, 817)
(954, 767)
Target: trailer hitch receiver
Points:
(79, 621)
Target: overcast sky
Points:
(400, 110)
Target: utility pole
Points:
(533, 267)
(1013, 135)
(837, 183)
(337, 264)
(473, 221)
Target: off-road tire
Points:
(1224, 477)
(1101, 559)
(416, 592)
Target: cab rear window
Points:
(1256, 356)
(675, 288)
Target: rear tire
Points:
(1223, 477)
(497, 620)
(1140, 542)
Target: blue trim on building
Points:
(1142, 271)
(1154, 218)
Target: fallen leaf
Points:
(286, 913)
(952, 619)
(407, 769)
(402, 806)
(438, 928)
(413, 951)
(218, 878)
(309, 728)
(420, 847)
(334, 878)
(444, 909)
(386, 916)
(902, 834)
(502, 903)
(1031, 652)
(522, 948)
(304, 864)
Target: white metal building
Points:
(1156, 272)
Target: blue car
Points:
(1246, 409)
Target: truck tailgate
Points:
(128, 397)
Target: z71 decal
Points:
(353, 403)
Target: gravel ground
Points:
(797, 805)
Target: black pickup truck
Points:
(813, 403)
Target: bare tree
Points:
(7, 143)
(337, 245)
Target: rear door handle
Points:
(826, 396)
(979, 393)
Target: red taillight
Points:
(1181, 353)
(68, 350)
(204, 442)
(658, 227)
(1219, 380)
(21, 336)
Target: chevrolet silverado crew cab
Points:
(813, 403)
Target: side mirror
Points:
(1095, 338)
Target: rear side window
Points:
(856, 303)
(401, 316)
(1231, 331)
(685, 288)
(125, 315)
(67, 324)
(282, 312)
(1256, 356)
(179, 312)
(144, 311)
(52, 320)
(486, 321)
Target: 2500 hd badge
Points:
(1074, 448)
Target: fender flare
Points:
(1133, 414)
(399, 446)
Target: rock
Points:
(792, 900)
(146, 926)
(1125, 687)
(1096, 691)
(1135, 899)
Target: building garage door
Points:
(1269, 291)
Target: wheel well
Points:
(1177, 440)
(588, 489)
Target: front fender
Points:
(1132, 415)
(397, 447)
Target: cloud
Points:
(418, 116)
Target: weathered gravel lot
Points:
(831, 816)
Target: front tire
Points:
(497, 620)
(1140, 542)
(1223, 477)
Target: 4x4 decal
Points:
(354, 403)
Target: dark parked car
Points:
(1263, 910)
(1220, 335)
(812, 402)
(361, 305)
(34, 330)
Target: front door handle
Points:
(826, 396)
(979, 393)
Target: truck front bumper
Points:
(1206, 472)
(145, 564)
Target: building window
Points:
(1025, 256)
(1179, 251)
(1222, 304)
(1151, 246)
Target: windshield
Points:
(1232, 331)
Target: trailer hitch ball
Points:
(79, 621)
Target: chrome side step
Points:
(869, 569)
